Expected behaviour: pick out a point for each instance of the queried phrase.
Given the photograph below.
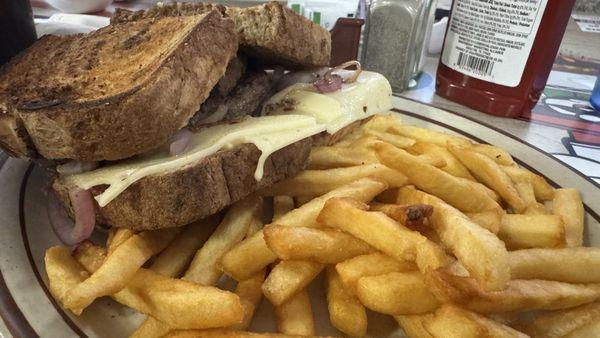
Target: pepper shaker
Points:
(391, 39)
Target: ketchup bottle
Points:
(498, 54)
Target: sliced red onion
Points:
(85, 217)
(75, 167)
(307, 76)
(330, 84)
(180, 142)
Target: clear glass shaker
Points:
(391, 39)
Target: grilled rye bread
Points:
(272, 33)
(114, 93)
(203, 188)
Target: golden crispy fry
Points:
(351, 270)
(520, 295)
(396, 293)
(325, 246)
(375, 228)
(319, 182)
(226, 333)
(253, 254)
(590, 330)
(497, 154)
(435, 161)
(525, 190)
(281, 206)
(543, 191)
(176, 258)
(567, 203)
(382, 122)
(451, 189)
(482, 253)
(487, 219)
(394, 139)
(203, 269)
(179, 303)
(532, 231)
(250, 293)
(116, 237)
(453, 165)
(482, 189)
(431, 136)
(535, 209)
(572, 265)
(64, 272)
(151, 328)
(346, 313)
(118, 268)
(412, 216)
(491, 174)
(337, 157)
(289, 277)
(414, 325)
(451, 321)
(560, 323)
(295, 315)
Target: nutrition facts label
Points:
(491, 39)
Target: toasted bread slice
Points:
(203, 188)
(272, 33)
(114, 93)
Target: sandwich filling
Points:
(291, 115)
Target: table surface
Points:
(561, 124)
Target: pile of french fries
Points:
(450, 237)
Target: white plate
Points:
(28, 309)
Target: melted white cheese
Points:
(312, 114)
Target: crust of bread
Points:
(272, 33)
(203, 188)
(78, 107)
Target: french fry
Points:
(519, 295)
(535, 209)
(176, 258)
(250, 293)
(431, 136)
(375, 228)
(497, 154)
(396, 293)
(491, 174)
(543, 191)
(116, 237)
(532, 231)
(64, 272)
(316, 245)
(319, 182)
(346, 313)
(453, 165)
(226, 333)
(487, 219)
(302, 200)
(435, 161)
(571, 265)
(482, 189)
(451, 321)
(414, 325)
(151, 328)
(118, 268)
(253, 254)
(590, 330)
(382, 122)
(281, 206)
(203, 269)
(567, 203)
(413, 216)
(561, 323)
(180, 303)
(453, 190)
(288, 278)
(525, 190)
(482, 253)
(394, 139)
(295, 316)
(351, 270)
(339, 157)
